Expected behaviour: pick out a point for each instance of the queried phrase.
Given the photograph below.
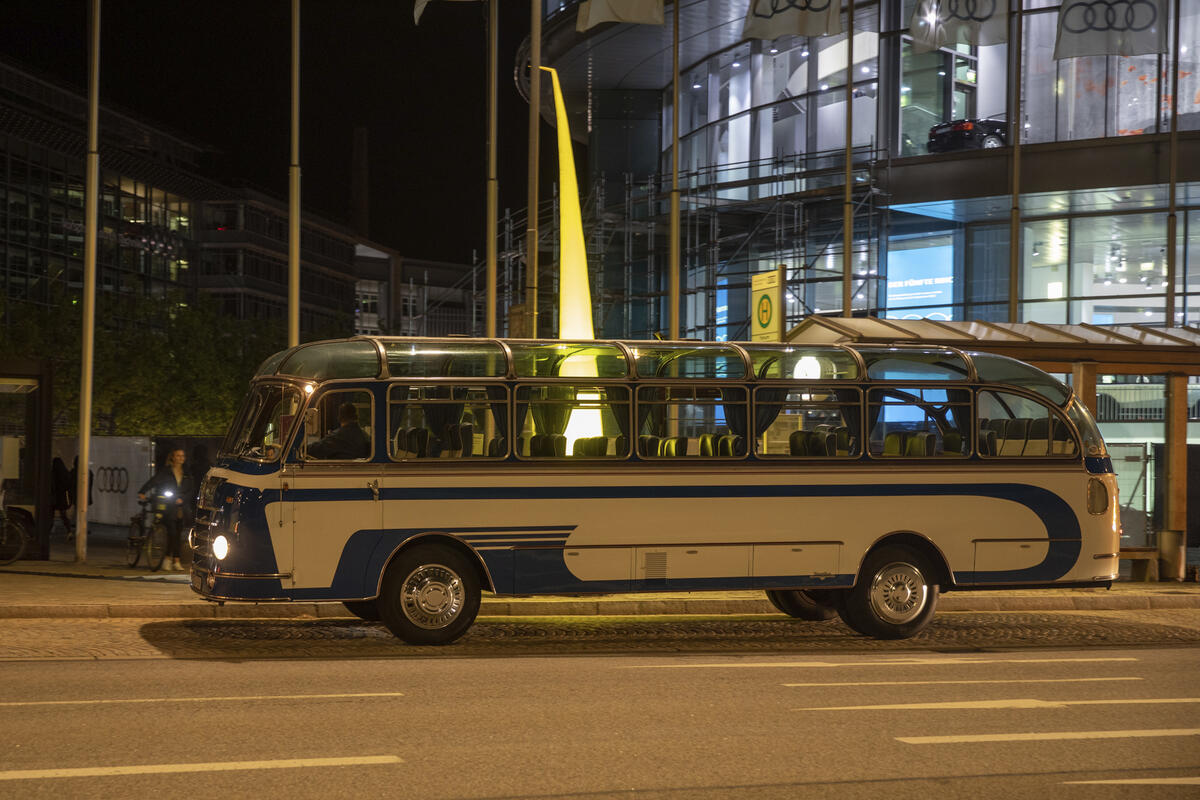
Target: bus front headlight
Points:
(220, 547)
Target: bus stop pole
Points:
(92, 216)
(848, 177)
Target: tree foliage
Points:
(159, 367)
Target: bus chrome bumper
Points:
(247, 587)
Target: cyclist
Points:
(173, 478)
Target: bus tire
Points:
(430, 595)
(363, 609)
(893, 598)
(801, 604)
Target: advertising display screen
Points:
(921, 283)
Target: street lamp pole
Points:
(294, 190)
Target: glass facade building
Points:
(762, 129)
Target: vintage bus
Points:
(403, 477)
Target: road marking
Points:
(1145, 781)
(902, 662)
(1047, 737)
(1017, 702)
(948, 683)
(214, 766)
(12, 704)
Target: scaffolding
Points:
(736, 220)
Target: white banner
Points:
(770, 19)
(1111, 28)
(641, 12)
(937, 23)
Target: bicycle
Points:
(13, 538)
(148, 534)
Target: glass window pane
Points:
(1001, 369)
(1038, 112)
(785, 362)
(919, 422)
(1011, 425)
(817, 422)
(342, 430)
(572, 421)
(914, 365)
(445, 360)
(333, 360)
(441, 421)
(697, 421)
(922, 97)
(568, 359)
(686, 361)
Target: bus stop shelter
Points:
(26, 470)
(1082, 351)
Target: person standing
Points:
(60, 492)
(175, 479)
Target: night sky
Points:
(217, 72)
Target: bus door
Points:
(331, 495)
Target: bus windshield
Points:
(260, 428)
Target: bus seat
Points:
(919, 444)
(466, 439)
(622, 445)
(1013, 443)
(497, 447)
(987, 443)
(558, 445)
(842, 443)
(1038, 441)
(400, 443)
(731, 446)
(451, 442)
(418, 442)
(675, 446)
(822, 443)
(1000, 426)
(893, 443)
(708, 445)
(798, 443)
(1061, 441)
(952, 443)
(648, 445)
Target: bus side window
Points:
(572, 421)
(344, 427)
(1013, 425)
(691, 421)
(447, 421)
(919, 422)
(808, 422)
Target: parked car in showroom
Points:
(968, 134)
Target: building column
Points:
(1083, 380)
(1172, 539)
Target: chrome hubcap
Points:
(433, 596)
(899, 593)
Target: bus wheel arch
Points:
(429, 593)
(895, 593)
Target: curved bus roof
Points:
(394, 357)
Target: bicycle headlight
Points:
(220, 547)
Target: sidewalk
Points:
(105, 587)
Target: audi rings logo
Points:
(1109, 15)
(781, 6)
(969, 10)
(113, 480)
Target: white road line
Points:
(1016, 702)
(214, 766)
(1144, 782)
(1047, 737)
(891, 662)
(14, 704)
(958, 683)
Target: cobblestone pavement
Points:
(237, 639)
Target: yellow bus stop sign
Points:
(766, 303)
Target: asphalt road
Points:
(677, 709)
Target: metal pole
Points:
(493, 190)
(294, 190)
(673, 245)
(1172, 222)
(848, 191)
(91, 221)
(1014, 214)
(535, 119)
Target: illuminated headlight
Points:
(220, 548)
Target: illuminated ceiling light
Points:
(824, 86)
(736, 64)
(804, 54)
(774, 50)
(906, 88)
(696, 86)
(942, 72)
(866, 70)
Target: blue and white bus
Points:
(856, 481)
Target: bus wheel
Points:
(430, 595)
(801, 604)
(893, 598)
(363, 609)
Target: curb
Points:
(543, 608)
